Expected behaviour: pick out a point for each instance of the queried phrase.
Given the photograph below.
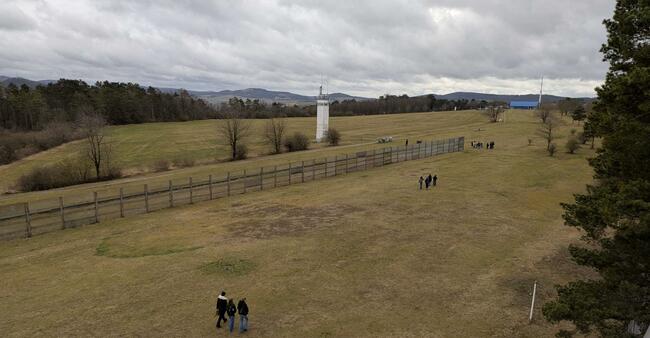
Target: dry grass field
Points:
(364, 254)
(137, 147)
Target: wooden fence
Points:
(29, 219)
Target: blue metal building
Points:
(523, 104)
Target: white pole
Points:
(532, 304)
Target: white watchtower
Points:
(322, 115)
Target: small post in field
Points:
(96, 207)
(302, 171)
(146, 198)
(28, 221)
(289, 173)
(62, 212)
(228, 184)
(191, 192)
(262, 178)
(121, 202)
(532, 304)
(210, 185)
(171, 194)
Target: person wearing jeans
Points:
(232, 311)
(242, 308)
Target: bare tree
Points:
(548, 129)
(493, 113)
(232, 131)
(97, 148)
(274, 133)
(544, 113)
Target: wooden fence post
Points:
(62, 211)
(302, 171)
(28, 221)
(121, 202)
(289, 173)
(336, 161)
(275, 176)
(346, 163)
(313, 170)
(210, 185)
(96, 207)
(327, 164)
(228, 184)
(191, 192)
(146, 198)
(171, 194)
(262, 178)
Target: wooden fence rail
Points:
(27, 219)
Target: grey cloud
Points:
(363, 47)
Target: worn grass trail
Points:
(364, 254)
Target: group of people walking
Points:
(481, 145)
(430, 181)
(227, 306)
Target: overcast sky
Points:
(363, 47)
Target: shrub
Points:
(333, 137)
(296, 142)
(7, 155)
(552, 148)
(160, 165)
(26, 151)
(241, 152)
(572, 145)
(182, 162)
(69, 172)
(582, 138)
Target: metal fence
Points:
(34, 218)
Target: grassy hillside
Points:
(137, 146)
(365, 254)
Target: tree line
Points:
(613, 214)
(28, 109)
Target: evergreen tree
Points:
(614, 213)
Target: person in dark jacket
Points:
(427, 181)
(242, 307)
(232, 311)
(421, 180)
(435, 180)
(222, 306)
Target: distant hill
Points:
(19, 81)
(261, 94)
(270, 96)
(502, 97)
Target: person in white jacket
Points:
(222, 306)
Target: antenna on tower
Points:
(541, 90)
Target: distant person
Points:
(232, 311)
(222, 305)
(407, 142)
(242, 307)
(492, 145)
(435, 180)
(421, 180)
(427, 181)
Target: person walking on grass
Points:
(421, 180)
(427, 181)
(232, 311)
(222, 306)
(435, 180)
(242, 307)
